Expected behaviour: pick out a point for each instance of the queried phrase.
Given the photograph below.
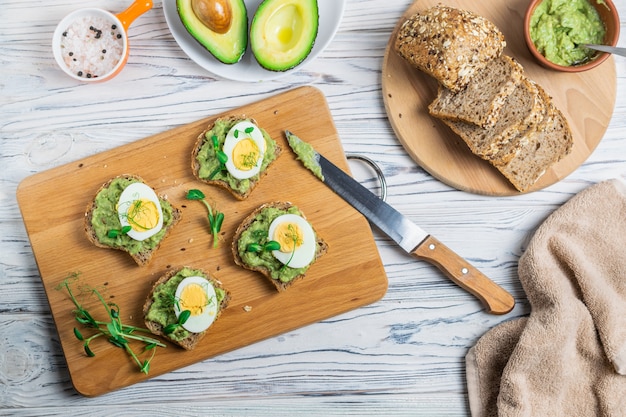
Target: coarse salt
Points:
(92, 46)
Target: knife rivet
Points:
(431, 246)
(464, 271)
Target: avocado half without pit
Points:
(221, 26)
(282, 32)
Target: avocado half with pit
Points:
(229, 46)
(282, 32)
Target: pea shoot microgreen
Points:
(221, 157)
(182, 319)
(272, 245)
(115, 332)
(215, 217)
(266, 247)
(113, 233)
(247, 130)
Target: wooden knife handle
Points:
(495, 299)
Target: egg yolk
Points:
(245, 154)
(289, 236)
(193, 298)
(142, 215)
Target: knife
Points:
(404, 232)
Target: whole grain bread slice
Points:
(157, 328)
(205, 139)
(523, 110)
(450, 44)
(144, 256)
(507, 151)
(321, 249)
(538, 150)
(482, 101)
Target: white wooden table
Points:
(401, 356)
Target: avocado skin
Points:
(228, 47)
(271, 57)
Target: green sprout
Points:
(221, 157)
(267, 247)
(215, 217)
(115, 332)
(113, 233)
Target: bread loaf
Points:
(449, 44)
(484, 96)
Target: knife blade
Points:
(409, 236)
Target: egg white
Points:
(305, 253)
(203, 321)
(133, 192)
(231, 141)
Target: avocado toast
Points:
(103, 221)
(252, 248)
(212, 163)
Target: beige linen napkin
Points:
(568, 358)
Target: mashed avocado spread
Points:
(105, 218)
(306, 154)
(207, 156)
(257, 233)
(559, 28)
(162, 309)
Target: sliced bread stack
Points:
(502, 115)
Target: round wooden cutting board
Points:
(586, 99)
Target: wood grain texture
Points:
(400, 356)
(585, 98)
(348, 276)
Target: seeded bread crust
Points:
(523, 110)
(322, 246)
(195, 166)
(156, 328)
(449, 44)
(482, 101)
(141, 258)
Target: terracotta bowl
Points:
(608, 14)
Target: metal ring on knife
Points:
(379, 172)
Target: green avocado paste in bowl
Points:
(560, 28)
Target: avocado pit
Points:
(215, 14)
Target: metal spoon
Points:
(609, 49)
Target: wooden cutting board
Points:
(586, 99)
(53, 202)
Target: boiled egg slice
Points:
(244, 146)
(139, 208)
(296, 238)
(197, 295)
